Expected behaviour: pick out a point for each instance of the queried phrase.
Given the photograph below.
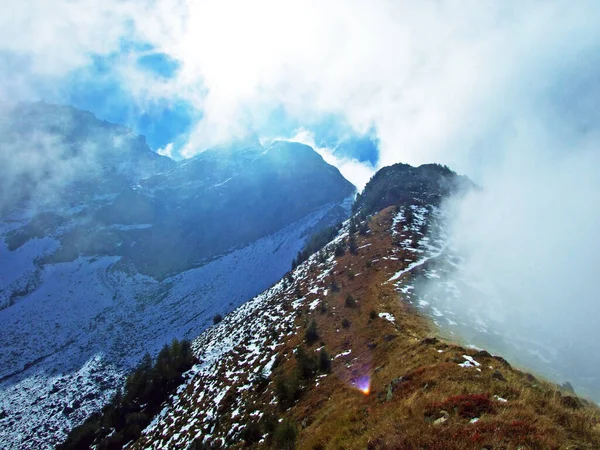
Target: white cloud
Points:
(530, 239)
(167, 150)
(420, 73)
(427, 76)
(358, 173)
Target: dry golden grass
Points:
(429, 383)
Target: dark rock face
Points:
(402, 184)
(232, 199)
(61, 154)
(104, 192)
(571, 402)
(497, 375)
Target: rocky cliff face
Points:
(53, 155)
(99, 189)
(402, 184)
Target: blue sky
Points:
(97, 88)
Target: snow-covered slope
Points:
(439, 283)
(65, 347)
(234, 355)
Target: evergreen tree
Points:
(363, 228)
(324, 361)
(287, 390)
(350, 302)
(307, 365)
(129, 412)
(311, 334)
(352, 246)
(352, 226)
(285, 435)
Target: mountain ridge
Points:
(342, 353)
(392, 383)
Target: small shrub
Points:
(285, 435)
(334, 286)
(115, 441)
(311, 334)
(199, 444)
(227, 401)
(350, 302)
(269, 422)
(352, 226)
(262, 381)
(288, 390)
(324, 361)
(323, 307)
(307, 366)
(252, 433)
(467, 406)
(346, 323)
(339, 250)
(132, 432)
(322, 257)
(363, 228)
(217, 318)
(373, 314)
(352, 246)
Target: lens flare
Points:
(363, 384)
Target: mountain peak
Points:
(46, 148)
(402, 183)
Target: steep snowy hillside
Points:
(124, 250)
(66, 346)
(176, 218)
